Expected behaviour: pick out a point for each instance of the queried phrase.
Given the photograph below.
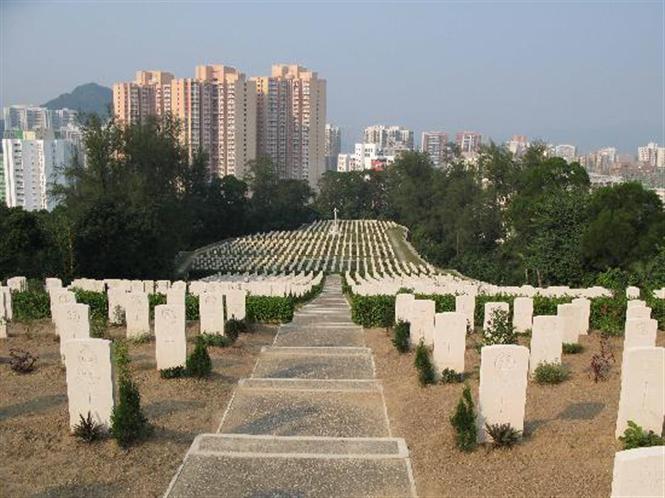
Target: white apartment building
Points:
(652, 154)
(370, 156)
(30, 168)
(565, 151)
(30, 117)
(346, 163)
(390, 139)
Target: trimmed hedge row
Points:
(608, 314)
(268, 309)
(98, 302)
(30, 305)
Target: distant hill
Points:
(88, 98)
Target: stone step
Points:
(315, 363)
(299, 335)
(260, 466)
(294, 407)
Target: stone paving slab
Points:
(315, 363)
(318, 412)
(335, 335)
(279, 477)
(365, 385)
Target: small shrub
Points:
(216, 340)
(173, 373)
(503, 435)
(128, 423)
(464, 422)
(120, 355)
(97, 326)
(191, 307)
(501, 331)
(424, 365)
(401, 335)
(97, 301)
(636, 437)
(199, 363)
(88, 430)
(602, 361)
(572, 348)
(22, 361)
(551, 373)
(449, 376)
(233, 328)
(30, 305)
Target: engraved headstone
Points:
(236, 304)
(170, 341)
(466, 304)
(490, 308)
(584, 315)
(137, 314)
(422, 321)
(639, 472)
(449, 341)
(73, 323)
(546, 341)
(403, 303)
(570, 322)
(211, 313)
(522, 314)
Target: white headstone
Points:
(3, 318)
(59, 296)
(422, 321)
(449, 341)
(211, 313)
(72, 323)
(116, 304)
(635, 312)
(490, 308)
(570, 322)
(640, 332)
(642, 397)
(52, 283)
(170, 340)
(639, 472)
(17, 284)
(546, 341)
(6, 296)
(522, 314)
(89, 380)
(403, 303)
(585, 314)
(633, 292)
(502, 392)
(137, 314)
(176, 296)
(466, 304)
(236, 304)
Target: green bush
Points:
(120, 356)
(199, 363)
(373, 311)
(191, 307)
(128, 424)
(543, 305)
(173, 373)
(503, 435)
(97, 301)
(216, 340)
(636, 437)
(401, 335)
(233, 328)
(87, 429)
(269, 309)
(30, 305)
(657, 310)
(98, 326)
(155, 300)
(501, 331)
(464, 422)
(449, 376)
(571, 348)
(551, 373)
(442, 302)
(423, 364)
(608, 314)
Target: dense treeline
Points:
(140, 200)
(137, 202)
(513, 220)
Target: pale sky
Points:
(587, 73)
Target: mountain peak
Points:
(86, 98)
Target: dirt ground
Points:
(568, 448)
(38, 456)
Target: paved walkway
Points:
(311, 421)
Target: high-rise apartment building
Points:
(565, 151)
(291, 116)
(468, 142)
(333, 146)
(216, 110)
(435, 145)
(389, 139)
(28, 118)
(30, 168)
(652, 154)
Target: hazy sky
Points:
(588, 73)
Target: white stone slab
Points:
(642, 397)
(466, 304)
(211, 313)
(546, 341)
(449, 341)
(585, 314)
(522, 314)
(639, 472)
(236, 304)
(403, 304)
(170, 340)
(137, 314)
(89, 380)
(422, 321)
(570, 322)
(502, 392)
(490, 308)
(72, 323)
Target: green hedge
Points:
(657, 310)
(98, 302)
(442, 302)
(608, 314)
(548, 305)
(30, 305)
(155, 300)
(191, 307)
(268, 309)
(479, 313)
(373, 311)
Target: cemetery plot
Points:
(365, 246)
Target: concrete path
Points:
(311, 421)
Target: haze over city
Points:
(589, 74)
